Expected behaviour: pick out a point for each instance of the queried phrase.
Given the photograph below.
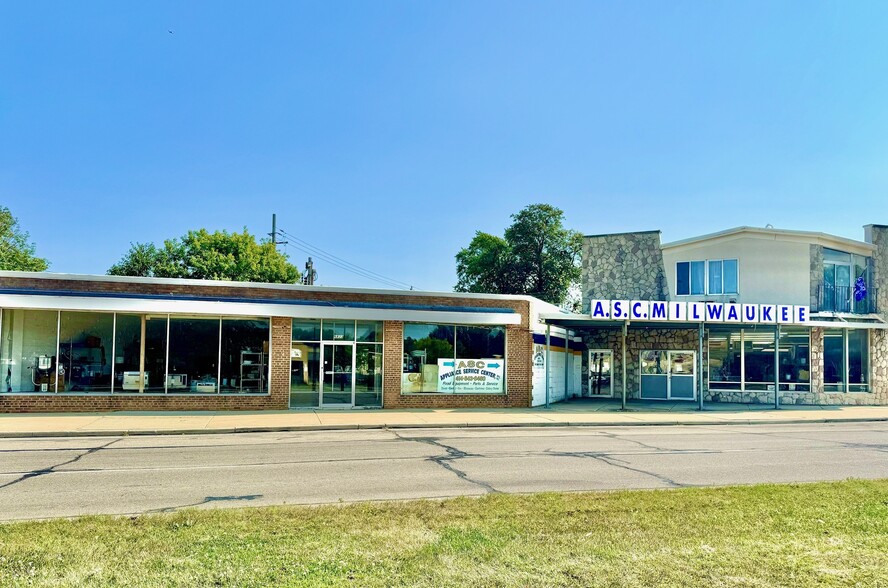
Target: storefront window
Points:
(28, 351)
(132, 353)
(758, 359)
(127, 352)
(338, 330)
(244, 361)
(834, 360)
(85, 345)
(743, 359)
(306, 330)
(453, 359)
(795, 367)
(368, 375)
(858, 360)
(304, 374)
(725, 357)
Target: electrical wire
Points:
(306, 247)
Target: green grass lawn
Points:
(830, 534)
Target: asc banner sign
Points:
(698, 312)
(470, 375)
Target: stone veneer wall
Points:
(636, 341)
(816, 275)
(623, 266)
(677, 340)
(878, 236)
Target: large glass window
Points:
(834, 360)
(85, 346)
(858, 360)
(194, 355)
(743, 359)
(725, 357)
(795, 365)
(304, 374)
(846, 360)
(368, 375)
(62, 351)
(758, 359)
(453, 359)
(244, 360)
(155, 353)
(28, 351)
(128, 353)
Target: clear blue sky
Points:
(388, 132)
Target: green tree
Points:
(537, 256)
(17, 252)
(209, 256)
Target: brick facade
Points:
(518, 351)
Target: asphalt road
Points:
(55, 477)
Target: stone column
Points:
(816, 361)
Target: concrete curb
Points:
(481, 425)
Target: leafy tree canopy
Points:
(536, 256)
(209, 256)
(16, 250)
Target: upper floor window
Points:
(715, 276)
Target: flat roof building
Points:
(744, 315)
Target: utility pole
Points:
(274, 232)
(310, 275)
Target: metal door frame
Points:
(669, 354)
(589, 363)
(668, 374)
(334, 344)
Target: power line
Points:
(386, 282)
(307, 247)
(339, 259)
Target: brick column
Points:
(279, 380)
(392, 363)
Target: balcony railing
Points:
(841, 299)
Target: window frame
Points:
(165, 392)
(506, 362)
(706, 291)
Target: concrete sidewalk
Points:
(578, 412)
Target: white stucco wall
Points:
(770, 270)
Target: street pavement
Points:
(68, 476)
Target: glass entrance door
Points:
(601, 381)
(337, 389)
(668, 375)
(681, 375)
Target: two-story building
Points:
(743, 315)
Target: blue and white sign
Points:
(471, 375)
(698, 312)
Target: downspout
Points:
(548, 355)
(567, 358)
(777, 365)
(700, 367)
(623, 397)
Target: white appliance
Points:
(131, 380)
(177, 381)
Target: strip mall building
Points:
(745, 315)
